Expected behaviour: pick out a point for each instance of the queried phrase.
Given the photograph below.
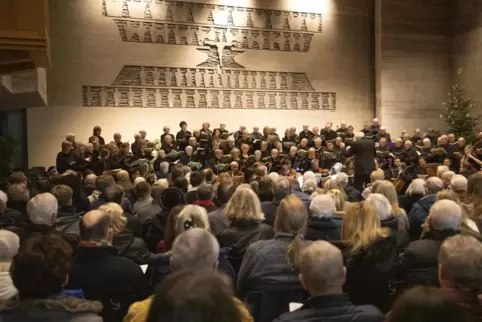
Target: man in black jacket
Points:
(363, 150)
(104, 276)
(322, 274)
(419, 261)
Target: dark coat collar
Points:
(86, 253)
(246, 222)
(326, 301)
(64, 303)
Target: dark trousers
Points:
(361, 180)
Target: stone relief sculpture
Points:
(219, 82)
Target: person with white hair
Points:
(411, 155)
(323, 221)
(447, 178)
(363, 150)
(256, 135)
(238, 134)
(138, 179)
(414, 192)
(42, 209)
(323, 274)
(9, 244)
(458, 184)
(419, 261)
(382, 208)
(306, 134)
(459, 267)
(420, 209)
(383, 134)
(441, 169)
(309, 185)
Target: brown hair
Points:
(291, 217)
(474, 196)
(63, 194)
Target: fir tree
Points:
(459, 114)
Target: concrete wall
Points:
(88, 54)
(413, 63)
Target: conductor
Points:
(363, 151)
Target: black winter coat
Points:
(324, 228)
(104, 276)
(336, 308)
(419, 262)
(131, 247)
(370, 272)
(240, 235)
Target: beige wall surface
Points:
(413, 63)
(330, 78)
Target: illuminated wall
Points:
(128, 65)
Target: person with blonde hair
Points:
(9, 244)
(371, 257)
(387, 189)
(340, 199)
(124, 241)
(276, 260)
(246, 224)
(323, 222)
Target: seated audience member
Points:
(296, 190)
(170, 198)
(459, 267)
(375, 176)
(127, 245)
(467, 226)
(387, 189)
(192, 294)
(89, 184)
(427, 304)
(270, 265)
(64, 157)
(181, 183)
(340, 199)
(39, 271)
(446, 178)
(281, 189)
(145, 208)
(383, 210)
(246, 225)
(124, 180)
(415, 192)
(42, 211)
(115, 281)
(189, 217)
(441, 169)
(309, 186)
(473, 201)
(67, 217)
(16, 205)
(419, 261)
(265, 189)
(352, 194)
(371, 257)
(322, 274)
(101, 183)
(116, 195)
(165, 245)
(9, 244)
(420, 209)
(323, 223)
(217, 220)
(458, 184)
(204, 197)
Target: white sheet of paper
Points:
(295, 306)
(144, 268)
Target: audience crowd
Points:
(215, 226)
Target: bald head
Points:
(434, 185)
(123, 175)
(445, 215)
(95, 226)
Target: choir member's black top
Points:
(63, 161)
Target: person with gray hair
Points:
(458, 184)
(420, 209)
(309, 186)
(195, 248)
(322, 274)
(415, 192)
(460, 267)
(352, 194)
(323, 222)
(9, 244)
(281, 189)
(42, 209)
(419, 262)
(446, 178)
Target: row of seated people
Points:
(380, 238)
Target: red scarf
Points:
(204, 203)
